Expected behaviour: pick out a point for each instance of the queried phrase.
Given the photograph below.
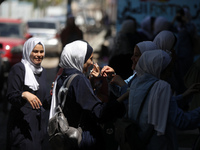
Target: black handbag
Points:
(61, 135)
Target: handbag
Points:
(61, 135)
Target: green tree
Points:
(44, 3)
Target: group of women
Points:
(152, 64)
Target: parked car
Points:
(49, 31)
(13, 34)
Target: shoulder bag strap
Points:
(65, 89)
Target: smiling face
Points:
(135, 57)
(37, 54)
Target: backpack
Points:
(61, 135)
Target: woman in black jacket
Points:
(82, 107)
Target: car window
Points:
(45, 25)
(10, 30)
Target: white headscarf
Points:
(146, 46)
(165, 40)
(154, 62)
(73, 55)
(30, 67)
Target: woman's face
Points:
(135, 57)
(37, 54)
(88, 63)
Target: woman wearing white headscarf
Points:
(82, 107)
(165, 40)
(160, 109)
(27, 95)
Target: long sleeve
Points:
(15, 84)
(118, 91)
(103, 111)
(183, 120)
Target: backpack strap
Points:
(64, 89)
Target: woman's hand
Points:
(107, 71)
(95, 70)
(194, 88)
(32, 99)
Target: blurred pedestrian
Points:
(71, 32)
(191, 77)
(122, 48)
(147, 27)
(82, 107)
(27, 123)
(185, 30)
(161, 23)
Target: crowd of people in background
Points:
(155, 61)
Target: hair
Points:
(40, 43)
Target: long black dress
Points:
(27, 127)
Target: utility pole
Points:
(69, 10)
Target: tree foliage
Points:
(44, 3)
